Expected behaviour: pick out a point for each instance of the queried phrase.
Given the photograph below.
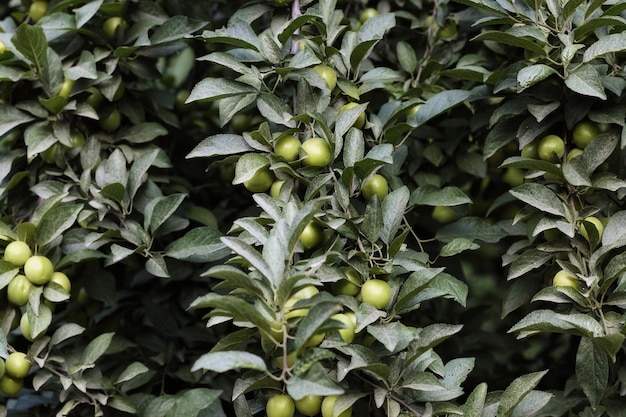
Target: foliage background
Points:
(135, 214)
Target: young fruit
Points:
(17, 253)
(18, 290)
(564, 279)
(584, 132)
(311, 236)
(447, 32)
(38, 269)
(551, 148)
(276, 187)
(111, 122)
(287, 147)
(573, 154)
(367, 14)
(25, 328)
(112, 25)
(328, 404)
(444, 214)
(530, 150)
(376, 292)
(17, 365)
(261, 181)
(360, 121)
(281, 405)
(62, 280)
(309, 405)
(375, 185)
(348, 286)
(10, 386)
(66, 88)
(37, 10)
(587, 233)
(328, 74)
(347, 334)
(316, 153)
(94, 99)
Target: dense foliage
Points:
(333, 207)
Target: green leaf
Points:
(212, 89)
(393, 208)
(31, 42)
(10, 117)
(606, 44)
(527, 261)
(157, 266)
(96, 348)
(472, 228)
(516, 391)
(222, 144)
(533, 74)
(226, 361)
(532, 403)
(175, 28)
(394, 336)
(540, 197)
(406, 56)
(56, 221)
(585, 80)
(475, 403)
(233, 307)
(432, 196)
(457, 246)
(317, 316)
(131, 371)
(550, 321)
(142, 132)
(615, 229)
(592, 370)
(512, 40)
(372, 226)
(239, 34)
(201, 244)
(160, 209)
(253, 257)
(275, 110)
(84, 13)
(248, 165)
(315, 381)
(66, 331)
(446, 100)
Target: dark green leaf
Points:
(592, 370)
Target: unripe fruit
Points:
(94, 99)
(376, 292)
(530, 151)
(11, 386)
(276, 187)
(112, 25)
(38, 269)
(309, 405)
(328, 404)
(260, 182)
(281, 405)
(551, 148)
(349, 286)
(360, 121)
(597, 224)
(17, 365)
(311, 236)
(564, 279)
(25, 327)
(376, 185)
(37, 10)
(347, 334)
(18, 290)
(584, 132)
(328, 74)
(316, 153)
(62, 280)
(111, 122)
(17, 253)
(287, 147)
(367, 14)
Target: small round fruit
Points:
(584, 132)
(112, 25)
(367, 14)
(119, 93)
(328, 74)
(551, 148)
(276, 187)
(18, 290)
(328, 404)
(62, 280)
(17, 253)
(360, 121)
(94, 99)
(564, 279)
(17, 365)
(25, 327)
(347, 334)
(530, 151)
(305, 293)
(3, 48)
(261, 181)
(111, 122)
(281, 405)
(77, 139)
(573, 154)
(10, 386)
(597, 224)
(38, 269)
(309, 405)
(287, 147)
(37, 10)
(316, 153)
(66, 88)
(414, 109)
(513, 176)
(348, 286)
(376, 185)
(315, 340)
(376, 292)
(444, 214)
(311, 235)
(447, 32)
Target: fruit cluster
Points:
(282, 405)
(35, 276)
